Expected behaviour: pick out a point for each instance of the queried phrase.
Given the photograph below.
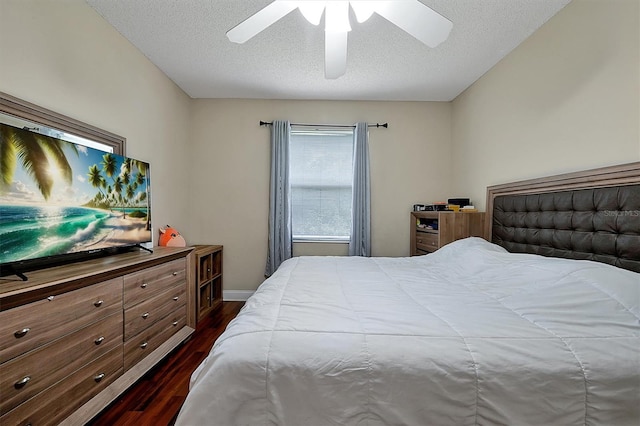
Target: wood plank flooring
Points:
(157, 397)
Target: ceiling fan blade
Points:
(363, 9)
(420, 21)
(335, 54)
(312, 10)
(260, 20)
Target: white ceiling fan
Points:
(412, 16)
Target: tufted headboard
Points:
(593, 215)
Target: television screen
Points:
(59, 198)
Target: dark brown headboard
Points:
(592, 215)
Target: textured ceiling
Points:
(186, 40)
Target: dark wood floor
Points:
(157, 397)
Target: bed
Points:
(544, 331)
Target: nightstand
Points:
(432, 230)
(208, 264)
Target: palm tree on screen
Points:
(141, 176)
(109, 164)
(37, 153)
(117, 188)
(129, 193)
(109, 167)
(95, 178)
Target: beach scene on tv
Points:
(58, 197)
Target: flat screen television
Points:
(63, 202)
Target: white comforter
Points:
(467, 335)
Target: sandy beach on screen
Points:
(121, 231)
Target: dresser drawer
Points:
(151, 338)
(25, 376)
(29, 326)
(64, 397)
(142, 285)
(145, 314)
(427, 242)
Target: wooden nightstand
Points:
(208, 275)
(432, 230)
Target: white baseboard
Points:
(236, 295)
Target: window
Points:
(19, 113)
(321, 174)
(49, 131)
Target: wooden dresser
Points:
(432, 230)
(74, 337)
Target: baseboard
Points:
(236, 295)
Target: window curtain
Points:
(360, 242)
(280, 235)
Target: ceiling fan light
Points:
(335, 54)
(412, 16)
(363, 9)
(312, 10)
(336, 17)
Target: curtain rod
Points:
(385, 125)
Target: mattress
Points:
(467, 335)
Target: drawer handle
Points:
(99, 340)
(176, 298)
(21, 333)
(174, 274)
(98, 303)
(21, 383)
(174, 323)
(144, 345)
(50, 298)
(99, 377)
(145, 315)
(144, 285)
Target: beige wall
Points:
(567, 99)
(230, 161)
(63, 56)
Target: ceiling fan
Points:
(412, 16)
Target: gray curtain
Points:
(280, 236)
(360, 243)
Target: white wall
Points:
(567, 99)
(230, 158)
(63, 56)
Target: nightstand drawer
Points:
(427, 242)
(25, 376)
(151, 338)
(145, 314)
(21, 330)
(142, 285)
